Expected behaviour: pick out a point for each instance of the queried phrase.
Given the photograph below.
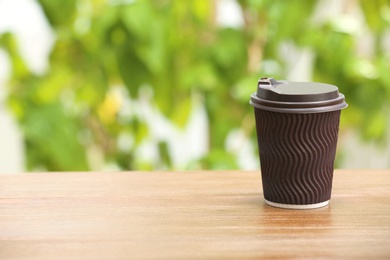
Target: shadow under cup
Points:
(297, 128)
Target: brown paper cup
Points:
(297, 145)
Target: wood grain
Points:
(187, 215)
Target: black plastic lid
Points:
(297, 97)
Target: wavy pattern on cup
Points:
(297, 153)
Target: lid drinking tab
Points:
(268, 84)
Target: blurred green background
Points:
(124, 75)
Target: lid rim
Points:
(299, 107)
(311, 110)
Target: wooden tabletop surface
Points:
(184, 215)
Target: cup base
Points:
(296, 206)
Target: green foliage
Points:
(176, 50)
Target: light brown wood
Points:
(187, 215)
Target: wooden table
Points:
(181, 215)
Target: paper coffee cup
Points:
(297, 127)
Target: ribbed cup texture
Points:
(297, 153)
